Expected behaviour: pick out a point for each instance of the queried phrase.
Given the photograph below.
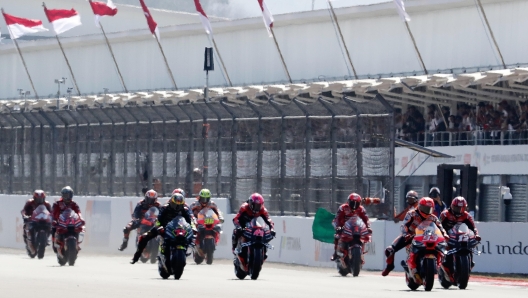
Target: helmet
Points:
(434, 192)
(39, 196)
(354, 201)
(458, 206)
(204, 197)
(411, 197)
(177, 201)
(256, 202)
(67, 194)
(151, 196)
(179, 190)
(426, 207)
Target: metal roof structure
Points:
(318, 99)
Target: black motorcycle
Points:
(252, 250)
(39, 227)
(173, 251)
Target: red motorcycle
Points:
(354, 235)
(69, 234)
(251, 250)
(147, 222)
(39, 229)
(428, 247)
(209, 230)
(459, 258)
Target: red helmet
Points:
(180, 191)
(411, 197)
(458, 206)
(426, 207)
(39, 196)
(151, 196)
(256, 202)
(354, 201)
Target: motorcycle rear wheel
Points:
(256, 264)
(429, 271)
(42, 241)
(209, 250)
(178, 262)
(240, 274)
(463, 271)
(72, 251)
(162, 272)
(356, 261)
(443, 280)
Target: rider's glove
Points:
(26, 219)
(161, 230)
(272, 232)
(478, 238)
(369, 230)
(238, 231)
(339, 230)
(221, 220)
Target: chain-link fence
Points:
(301, 154)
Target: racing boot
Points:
(389, 253)
(123, 245)
(334, 256)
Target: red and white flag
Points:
(153, 26)
(19, 26)
(401, 10)
(63, 20)
(266, 15)
(101, 9)
(203, 17)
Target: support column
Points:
(234, 132)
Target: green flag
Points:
(322, 227)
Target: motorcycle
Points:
(70, 231)
(39, 228)
(459, 258)
(428, 246)
(209, 230)
(173, 251)
(147, 222)
(354, 235)
(251, 251)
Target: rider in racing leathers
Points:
(150, 200)
(65, 202)
(345, 212)
(39, 198)
(168, 212)
(253, 208)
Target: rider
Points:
(345, 212)
(150, 200)
(175, 207)
(39, 198)
(457, 214)
(412, 202)
(204, 201)
(424, 211)
(64, 202)
(252, 208)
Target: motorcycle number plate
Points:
(209, 221)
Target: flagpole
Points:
(166, 63)
(113, 57)
(65, 58)
(415, 46)
(221, 61)
(280, 54)
(23, 61)
(491, 33)
(342, 38)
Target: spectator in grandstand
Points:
(434, 194)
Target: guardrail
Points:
(467, 138)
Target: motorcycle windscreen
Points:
(41, 214)
(257, 222)
(207, 217)
(427, 229)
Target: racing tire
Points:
(42, 241)
(463, 269)
(443, 281)
(256, 263)
(162, 272)
(196, 257)
(356, 261)
(240, 274)
(178, 262)
(209, 250)
(72, 251)
(410, 283)
(429, 271)
(342, 271)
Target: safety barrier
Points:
(504, 246)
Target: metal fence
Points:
(301, 154)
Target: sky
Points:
(235, 9)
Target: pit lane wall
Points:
(504, 246)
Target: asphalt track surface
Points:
(113, 276)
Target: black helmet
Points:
(177, 201)
(67, 194)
